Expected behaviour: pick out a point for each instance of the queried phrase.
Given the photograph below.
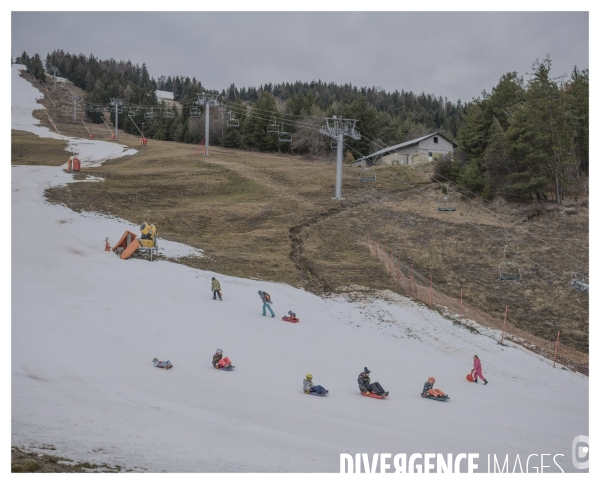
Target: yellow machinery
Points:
(148, 238)
(131, 245)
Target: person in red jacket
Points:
(477, 370)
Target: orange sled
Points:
(373, 395)
(290, 319)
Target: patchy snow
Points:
(24, 101)
(164, 94)
(83, 381)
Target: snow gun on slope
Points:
(130, 245)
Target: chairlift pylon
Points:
(509, 271)
(580, 283)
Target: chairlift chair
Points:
(98, 110)
(232, 122)
(194, 113)
(367, 175)
(509, 271)
(149, 113)
(284, 137)
(334, 144)
(273, 128)
(580, 283)
(443, 203)
(169, 114)
(132, 112)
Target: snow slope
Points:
(163, 94)
(86, 325)
(24, 101)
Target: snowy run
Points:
(24, 101)
(164, 94)
(86, 326)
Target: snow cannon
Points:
(148, 238)
(130, 245)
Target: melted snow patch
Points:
(24, 101)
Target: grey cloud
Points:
(452, 54)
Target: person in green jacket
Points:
(216, 289)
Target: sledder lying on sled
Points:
(291, 317)
(162, 364)
(433, 393)
(220, 363)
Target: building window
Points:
(435, 139)
(430, 154)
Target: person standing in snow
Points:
(477, 370)
(310, 388)
(266, 299)
(365, 385)
(216, 289)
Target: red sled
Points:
(373, 395)
(290, 319)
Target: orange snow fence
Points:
(553, 350)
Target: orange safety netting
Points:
(553, 350)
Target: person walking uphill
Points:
(477, 370)
(215, 286)
(266, 299)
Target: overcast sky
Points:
(452, 54)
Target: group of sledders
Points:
(374, 390)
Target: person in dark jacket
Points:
(365, 385)
(215, 287)
(266, 299)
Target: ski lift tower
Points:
(207, 100)
(337, 128)
(75, 98)
(116, 103)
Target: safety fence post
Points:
(504, 325)
(461, 305)
(430, 290)
(556, 349)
